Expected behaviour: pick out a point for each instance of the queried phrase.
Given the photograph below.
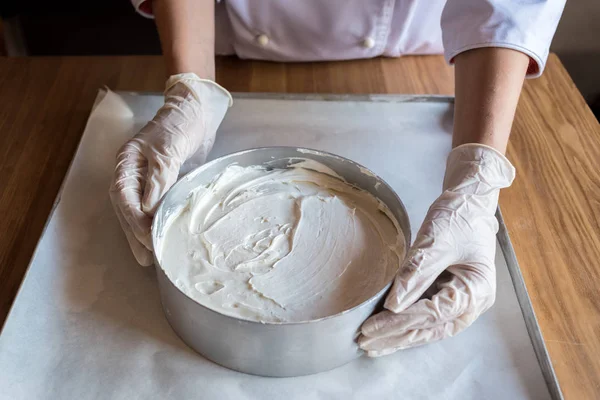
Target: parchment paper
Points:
(87, 322)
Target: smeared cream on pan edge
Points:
(281, 245)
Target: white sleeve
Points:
(524, 25)
(143, 7)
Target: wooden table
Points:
(552, 210)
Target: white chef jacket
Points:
(319, 30)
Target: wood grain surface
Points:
(552, 211)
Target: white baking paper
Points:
(87, 322)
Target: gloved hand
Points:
(452, 256)
(148, 165)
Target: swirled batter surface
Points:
(282, 245)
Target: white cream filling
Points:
(283, 245)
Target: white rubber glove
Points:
(452, 256)
(148, 165)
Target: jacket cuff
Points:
(143, 7)
(527, 27)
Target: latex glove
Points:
(452, 256)
(149, 164)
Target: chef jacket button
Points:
(262, 39)
(368, 43)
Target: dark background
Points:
(76, 27)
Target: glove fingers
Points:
(426, 260)
(142, 255)
(162, 174)
(452, 300)
(387, 323)
(126, 191)
(451, 310)
(377, 347)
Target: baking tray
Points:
(11, 350)
(533, 328)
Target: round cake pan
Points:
(269, 349)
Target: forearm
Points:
(187, 35)
(488, 85)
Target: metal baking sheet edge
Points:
(531, 323)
